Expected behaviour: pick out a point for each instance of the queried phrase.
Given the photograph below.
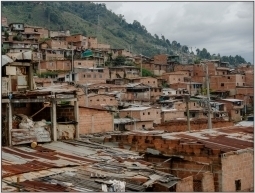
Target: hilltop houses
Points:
(70, 90)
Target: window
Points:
(104, 100)
(242, 77)
(243, 84)
(67, 76)
(149, 113)
(185, 114)
(143, 113)
(153, 81)
(91, 100)
(18, 26)
(148, 81)
(223, 73)
(157, 112)
(79, 63)
(20, 50)
(84, 76)
(19, 105)
(228, 77)
(100, 76)
(110, 99)
(88, 76)
(222, 84)
(237, 111)
(237, 84)
(194, 104)
(97, 99)
(238, 184)
(179, 79)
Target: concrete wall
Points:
(238, 167)
(185, 185)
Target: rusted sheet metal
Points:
(39, 186)
(15, 169)
(222, 142)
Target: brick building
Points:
(145, 117)
(124, 72)
(197, 160)
(57, 65)
(233, 107)
(91, 75)
(227, 82)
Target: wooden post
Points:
(54, 121)
(10, 124)
(76, 116)
(31, 77)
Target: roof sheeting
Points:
(6, 60)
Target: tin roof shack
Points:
(144, 117)
(124, 72)
(36, 104)
(84, 165)
(234, 108)
(218, 160)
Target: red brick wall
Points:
(94, 121)
(238, 166)
(181, 125)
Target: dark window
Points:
(149, 113)
(143, 113)
(238, 184)
(222, 84)
(97, 99)
(84, 75)
(19, 105)
(79, 63)
(228, 77)
(223, 73)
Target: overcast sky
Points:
(220, 27)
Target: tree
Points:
(119, 61)
(156, 36)
(168, 42)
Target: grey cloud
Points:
(220, 27)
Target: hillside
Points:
(92, 19)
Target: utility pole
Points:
(141, 70)
(187, 98)
(71, 65)
(208, 99)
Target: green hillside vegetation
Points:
(90, 19)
